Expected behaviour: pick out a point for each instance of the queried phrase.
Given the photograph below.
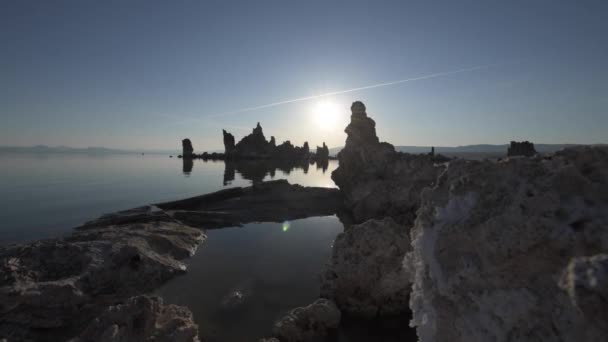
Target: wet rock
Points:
(523, 148)
(377, 181)
(365, 276)
(491, 242)
(142, 318)
(310, 323)
(51, 288)
(187, 148)
(274, 201)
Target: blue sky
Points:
(145, 74)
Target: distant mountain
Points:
(482, 150)
(89, 150)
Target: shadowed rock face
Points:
(142, 318)
(310, 323)
(365, 277)
(492, 240)
(376, 180)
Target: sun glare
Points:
(326, 114)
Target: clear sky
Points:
(145, 74)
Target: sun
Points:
(326, 114)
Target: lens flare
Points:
(285, 226)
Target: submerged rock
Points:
(309, 323)
(365, 276)
(142, 318)
(377, 181)
(492, 240)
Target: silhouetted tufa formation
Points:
(187, 148)
(376, 180)
(524, 148)
(255, 146)
(228, 142)
(322, 152)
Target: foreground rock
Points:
(308, 324)
(274, 201)
(377, 181)
(365, 276)
(586, 281)
(142, 318)
(51, 288)
(492, 241)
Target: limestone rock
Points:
(142, 318)
(376, 180)
(523, 148)
(307, 324)
(491, 241)
(365, 276)
(322, 152)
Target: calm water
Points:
(44, 196)
(275, 267)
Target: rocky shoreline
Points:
(508, 250)
(92, 284)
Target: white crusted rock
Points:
(491, 241)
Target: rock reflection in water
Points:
(257, 170)
(187, 166)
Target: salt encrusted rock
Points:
(586, 281)
(491, 241)
(377, 181)
(143, 319)
(50, 289)
(365, 276)
(309, 323)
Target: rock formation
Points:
(524, 148)
(365, 277)
(255, 146)
(229, 145)
(256, 170)
(492, 240)
(51, 288)
(376, 180)
(322, 152)
(187, 148)
(142, 318)
(308, 324)
(586, 282)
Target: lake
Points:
(274, 266)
